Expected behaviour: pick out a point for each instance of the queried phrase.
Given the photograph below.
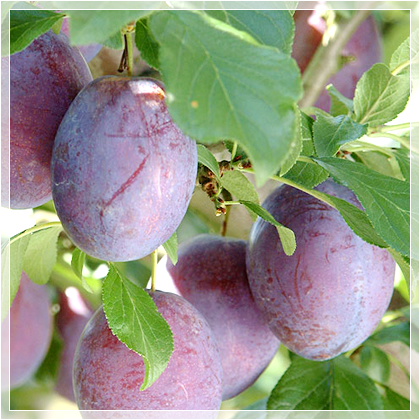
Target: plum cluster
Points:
(121, 175)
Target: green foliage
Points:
(146, 43)
(337, 384)
(340, 105)
(206, 158)
(98, 26)
(171, 248)
(332, 132)
(12, 256)
(406, 53)
(211, 97)
(133, 317)
(398, 332)
(41, 254)
(403, 158)
(115, 42)
(295, 146)
(240, 186)
(380, 96)
(77, 262)
(48, 371)
(375, 363)
(394, 401)
(286, 235)
(26, 25)
(274, 28)
(386, 200)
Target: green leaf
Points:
(340, 105)
(295, 146)
(26, 25)
(286, 235)
(398, 332)
(206, 158)
(77, 262)
(332, 132)
(171, 248)
(146, 43)
(274, 28)
(240, 186)
(133, 317)
(115, 41)
(215, 92)
(380, 96)
(394, 401)
(97, 26)
(12, 256)
(306, 173)
(380, 162)
(403, 158)
(41, 254)
(240, 153)
(406, 53)
(256, 410)
(386, 200)
(404, 264)
(375, 363)
(337, 384)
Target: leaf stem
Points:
(234, 150)
(325, 60)
(399, 139)
(395, 127)
(231, 203)
(34, 229)
(305, 159)
(129, 39)
(154, 266)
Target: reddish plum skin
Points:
(44, 79)
(107, 375)
(364, 46)
(71, 320)
(30, 330)
(331, 294)
(122, 172)
(211, 275)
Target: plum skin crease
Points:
(122, 172)
(331, 294)
(211, 275)
(107, 375)
(45, 77)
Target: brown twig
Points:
(325, 61)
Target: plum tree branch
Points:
(325, 61)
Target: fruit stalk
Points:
(324, 63)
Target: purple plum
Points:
(45, 77)
(107, 375)
(211, 275)
(122, 172)
(74, 313)
(31, 325)
(331, 294)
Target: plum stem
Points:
(34, 229)
(324, 63)
(154, 266)
(223, 228)
(129, 45)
